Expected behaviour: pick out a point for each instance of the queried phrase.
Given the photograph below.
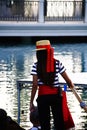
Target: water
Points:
(15, 64)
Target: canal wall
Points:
(43, 29)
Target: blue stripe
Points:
(59, 69)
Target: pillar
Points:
(85, 11)
(41, 11)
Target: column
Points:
(85, 11)
(41, 11)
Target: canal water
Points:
(15, 64)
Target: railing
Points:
(79, 80)
(20, 10)
(65, 11)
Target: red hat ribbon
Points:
(43, 46)
(50, 60)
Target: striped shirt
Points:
(59, 70)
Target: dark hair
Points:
(46, 77)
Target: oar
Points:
(82, 104)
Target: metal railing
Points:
(20, 10)
(65, 11)
(27, 84)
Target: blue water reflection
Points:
(16, 62)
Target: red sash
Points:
(44, 90)
(68, 121)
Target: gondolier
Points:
(50, 96)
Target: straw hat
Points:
(43, 45)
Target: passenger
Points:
(34, 118)
(6, 122)
(45, 79)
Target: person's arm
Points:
(33, 92)
(71, 85)
(67, 79)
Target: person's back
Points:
(45, 74)
(12, 125)
(3, 118)
(6, 122)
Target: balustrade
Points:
(42, 10)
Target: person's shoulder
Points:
(34, 65)
(57, 61)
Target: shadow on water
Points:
(16, 59)
(17, 41)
